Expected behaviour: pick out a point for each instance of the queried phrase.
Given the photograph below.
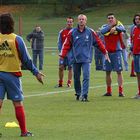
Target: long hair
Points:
(138, 14)
(6, 23)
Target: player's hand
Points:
(61, 61)
(112, 30)
(107, 57)
(39, 77)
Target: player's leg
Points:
(13, 88)
(1, 102)
(120, 83)
(34, 55)
(77, 82)
(41, 59)
(108, 68)
(86, 77)
(132, 74)
(69, 76)
(108, 84)
(137, 70)
(61, 75)
(118, 67)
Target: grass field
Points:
(54, 114)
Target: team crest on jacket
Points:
(87, 38)
(77, 37)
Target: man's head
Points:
(82, 20)
(6, 23)
(136, 19)
(111, 19)
(38, 28)
(70, 21)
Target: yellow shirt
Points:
(9, 57)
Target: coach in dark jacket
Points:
(37, 44)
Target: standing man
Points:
(132, 73)
(65, 63)
(135, 37)
(37, 44)
(112, 32)
(80, 41)
(13, 53)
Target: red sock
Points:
(20, 115)
(109, 89)
(69, 82)
(60, 82)
(139, 90)
(132, 68)
(120, 89)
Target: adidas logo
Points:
(4, 46)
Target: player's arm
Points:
(105, 29)
(59, 43)
(26, 59)
(66, 46)
(29, 37)
(98, 42)
(120, 28)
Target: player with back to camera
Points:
(13, 54)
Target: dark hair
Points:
(138, 14)
(6, 23)
(70, 18)
(110, 14)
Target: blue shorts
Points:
(11, 85)
(66, 64)
(136, 63)
(116, 62)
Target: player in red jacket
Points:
(136, 49)
(65, 63)
(112, 32)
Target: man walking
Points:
(80, 43)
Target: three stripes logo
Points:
(5, 50)
(4, 46)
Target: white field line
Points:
(71, 90)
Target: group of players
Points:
(70, 44)
(76, 51)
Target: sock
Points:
(60, 82)
(132, 68)
(109, 89)
(69, 82)
(139, 90)
(20, 115)
(120, 89)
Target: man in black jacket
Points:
(37, 44)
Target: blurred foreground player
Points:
(13, 54)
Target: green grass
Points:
(58, 116)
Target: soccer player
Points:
(135, 37)
(132, 73)
(79, 42)
(13, 53)
(63, 65)
(113, 43)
